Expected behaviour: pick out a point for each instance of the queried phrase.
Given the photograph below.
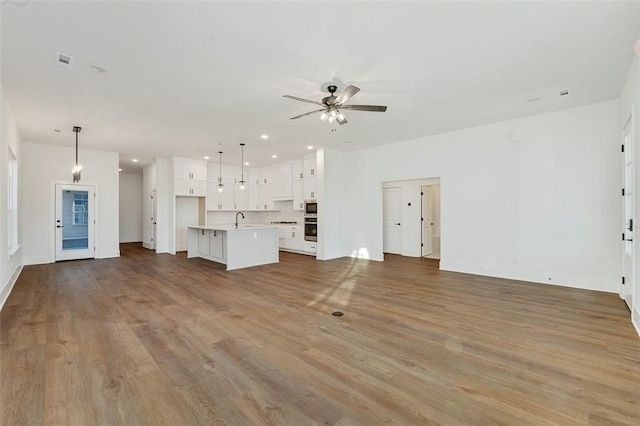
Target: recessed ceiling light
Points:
(206, 157)
(98, 69)
(535, 99)
(274, 156)
(309, 147)
(56, 130)
(135, 160)
(264, 136)
(119, 170)
(246, 163)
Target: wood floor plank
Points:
(149, 339)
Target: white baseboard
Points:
(635, 320)
(107, 254)
(147, 245)
(563, 280)
(9, 286)
(37, 260)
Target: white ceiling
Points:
(193, 78)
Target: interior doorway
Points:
(430, 221)
(74, 222)
(411, 217)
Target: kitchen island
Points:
(242, 247)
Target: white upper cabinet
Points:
(297, 169)
(266, 176)
(298, 194)
(184, 168)
(282, 182)
(190, 177)
(310, 165)
(310, 189)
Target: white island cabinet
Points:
(248, 245)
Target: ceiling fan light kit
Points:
(332, 105)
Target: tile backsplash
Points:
(285, 213)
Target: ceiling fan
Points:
(333, 104)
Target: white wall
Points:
(10, 265)
(333, 207)
(148, 186)
(535, 198)
(45, 165)
(165, 206)
(131, 199)
(630, 104)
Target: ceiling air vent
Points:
(64, 60)
(564, 92)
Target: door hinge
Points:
(623, 192)
(421, 193)
(631, 225)
(622, 147)
(422, 219)
(623, 236)
(622, 280)
(422, 245)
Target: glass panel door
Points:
(74, 222)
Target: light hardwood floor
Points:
(160, 339)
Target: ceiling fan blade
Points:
(347, 93)
(372, 108)
(295, 98)
(307, 113)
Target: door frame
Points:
(425, 191)
(52, 216)
(628, 284)
(399, 228)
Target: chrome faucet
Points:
(241, 214)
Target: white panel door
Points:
(427, 222)
(627, 254)
(154, 221)
(75, 222)
(391, 219)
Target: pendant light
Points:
(220, 185)
(77, 169)
(242, 182)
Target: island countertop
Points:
(247, 245)
(231, 227)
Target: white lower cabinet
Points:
(311, 246)
(211, 243)
(292, 238)
(216, 244)
(203, 242)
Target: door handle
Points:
(398, 223)
(59, 226)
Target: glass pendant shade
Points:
(220, 185)
(242, 182)
(77, 169)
